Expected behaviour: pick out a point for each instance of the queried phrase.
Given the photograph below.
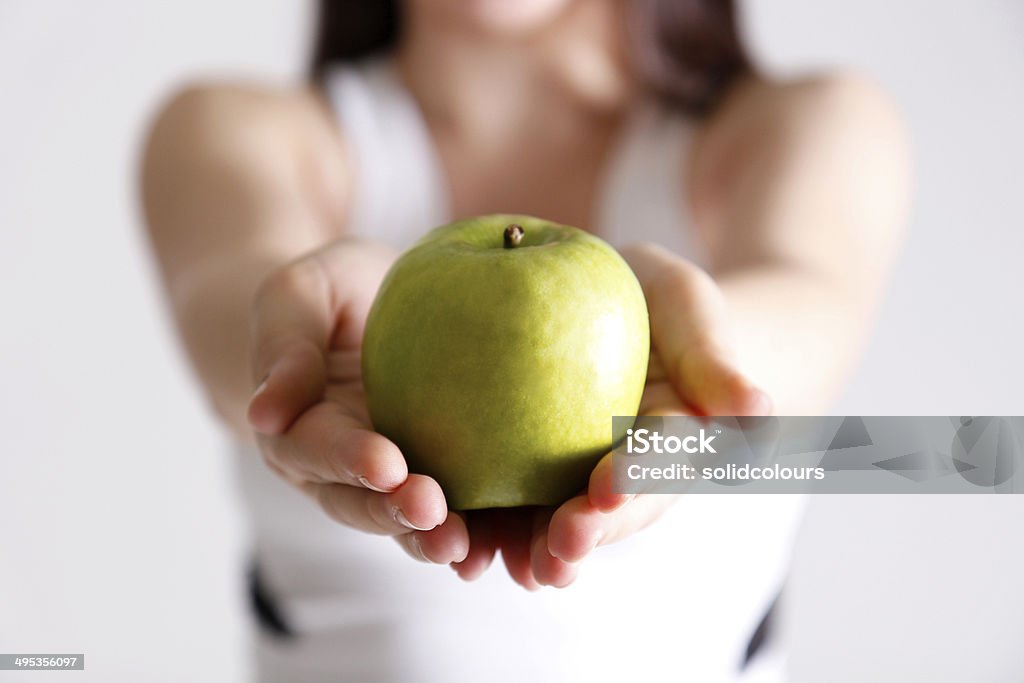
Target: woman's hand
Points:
(309, 411)
(691, 372)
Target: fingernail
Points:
(598, 540)
(761, 404)
(404, 521)
(414, 541)
(366, 482)
(252, 417)
(624, 499)
(628, 498)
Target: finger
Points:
(601, 489)
(637, 514)
(295, 382)
(658, 399)
(513, 537)
(517, 562)
(446, 544)
(689, 333)
(328, 446)
(344, 366)
(578, 527)
(418, 505)
(300, 311)
(655, 370)
(547, 569)
(291, 320)
(575, 529)
(481, 549)
(661, 398)
(718, 388)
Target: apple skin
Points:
(497, 370)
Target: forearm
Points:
(234, 183)
(796, 334)
(800, 191)
(211, 305)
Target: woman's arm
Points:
(244, 194)
(800, 192)
(235, 182)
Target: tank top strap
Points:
(643, 197)
(399, 188)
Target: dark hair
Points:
(687, 51)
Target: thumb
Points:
(291, 322)
(301, 311)
(690, 335)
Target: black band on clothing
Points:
(761, 634)
(265, 607)
(269, 616)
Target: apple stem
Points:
(513, 235)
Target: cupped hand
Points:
(692, 372)
(309, 412)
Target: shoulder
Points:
(836, 104)
(248, 128)
(829, 123)
(231, 111)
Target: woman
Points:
(759, 216)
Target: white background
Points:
(119, 531)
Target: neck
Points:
(487, 86)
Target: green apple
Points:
(496, 353)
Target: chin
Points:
(502, 17)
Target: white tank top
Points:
(400, 189)
(676, 601)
